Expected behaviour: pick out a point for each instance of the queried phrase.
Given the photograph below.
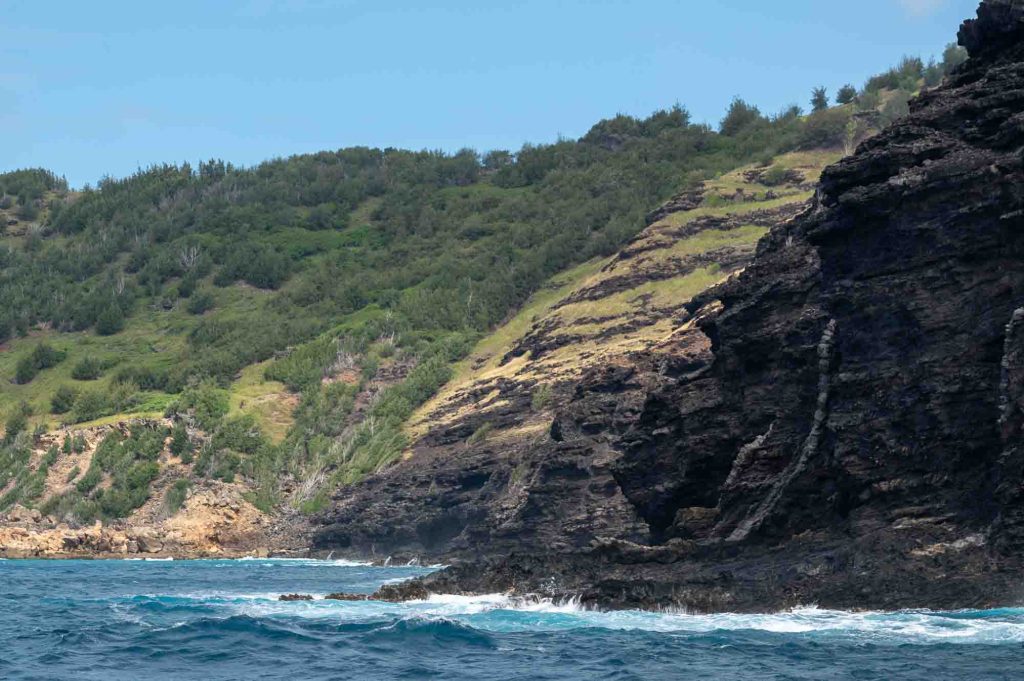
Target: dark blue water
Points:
(221, 620)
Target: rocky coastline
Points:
(842, 425)
(215, 523)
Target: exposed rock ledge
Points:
(215, 523)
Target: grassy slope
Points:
(158, 337)
(152, 338)
(593, 320)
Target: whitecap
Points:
(312, 562)
(500, 612)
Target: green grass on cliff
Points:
(654, 297)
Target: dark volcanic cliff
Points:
(846, 430)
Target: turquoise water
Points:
(221, 620)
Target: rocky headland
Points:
(839, 422)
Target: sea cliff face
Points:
(841, 423)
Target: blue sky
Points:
(89, 89)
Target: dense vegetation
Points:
(356, 259)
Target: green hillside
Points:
(299, 312)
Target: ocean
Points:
(220, 619)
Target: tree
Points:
(953, 56)
(819, 99)
(846, 94)
(497, 159)
(933, 74)
(740, 115)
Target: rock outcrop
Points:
(841, 426)
(213, 518)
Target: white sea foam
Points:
(500, 612)
(312, 562)
(503, 613)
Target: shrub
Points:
(203, 460)
(200, 302)
(305, 365)
(43, 356)
(239, 434)
(24, 371)
(480, 434)
(50, 458)
(28, 210)
(541, 397)
(227, 467)
(16, 423)
(774, 176)
(825, 129)
(145, 443)
(187, 286)
(257, 265)
(63, 400)
(92, 477)
(110, 321)
(180, 442)
(124, 396)
(90, 405)
(207, 403)
(72, 474)
(88, 369)
(129, 490)
(896, 107)
(144, 377)
(369, 369)
(869, 101)
(176, 495)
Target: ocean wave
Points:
(313, 562)
(922, 626)
(501, 613)
(223, 620)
